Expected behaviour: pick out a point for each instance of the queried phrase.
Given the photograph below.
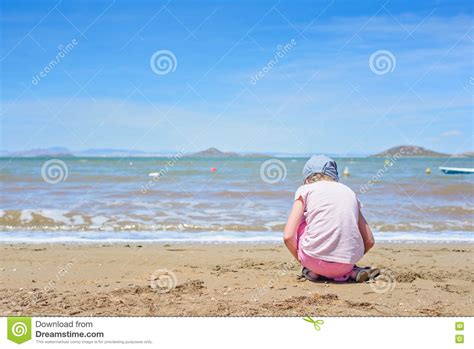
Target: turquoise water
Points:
(115, 199)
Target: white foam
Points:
(210, 237)
(415, 237)
(77, 220)
(98, 221)
(26, 216)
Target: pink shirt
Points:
(331, 211)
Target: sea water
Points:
(246, 200)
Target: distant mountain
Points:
(53, 151)
(403, 150)
(99, 152)
(409, 151)
(104, 152)
(469, 154)
(216, 153)
(213, 152)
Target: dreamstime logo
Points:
(163, 62)
(157, 176)
(385, 282)
(388, 163)
(62, 272)
(163, 280)
(273, 171)
(63, 51)
(54, 171)
(19, 329)
(281, 52)
(382, 62)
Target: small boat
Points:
(457, 170)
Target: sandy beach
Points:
(226, 280)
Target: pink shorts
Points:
(332, 270)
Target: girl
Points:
(326, 231)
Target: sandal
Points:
(362, 275)
(373, 272)
(306, 274)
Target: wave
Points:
(459, 211)
(60, 220)
(424, 226)
(212, 219)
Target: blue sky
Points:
(316, 91)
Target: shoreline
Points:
(221, 237)
(226, 280)
(210, 243)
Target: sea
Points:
(221, 200)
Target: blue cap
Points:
(320, 164)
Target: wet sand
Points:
(227, 280)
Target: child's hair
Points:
(318, 177)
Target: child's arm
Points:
(366, 233)
(294, 221)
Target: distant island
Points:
(216, 153)
(409, 151)
(53, 151)
(413, 151)
(65, 152)
(213, 152)
(402, 150)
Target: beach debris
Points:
(346, 172)
(213, 169)
(428, 171)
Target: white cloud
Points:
(451, 133)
